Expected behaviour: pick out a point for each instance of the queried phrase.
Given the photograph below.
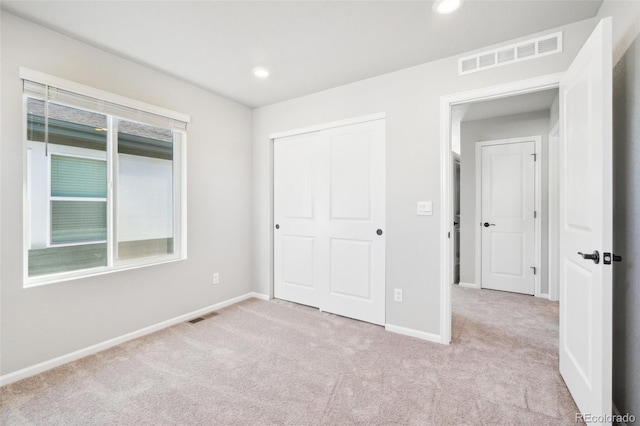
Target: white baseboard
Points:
(468, 285)
(260, 296)
(413, 333)
(64, 359)
(544, 296)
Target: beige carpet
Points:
(261, 363)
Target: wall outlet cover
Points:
(397, 294)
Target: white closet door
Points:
(354, 251)
(295, 208)
(329, 196)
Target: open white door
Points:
(586, 225)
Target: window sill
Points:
(94, 272)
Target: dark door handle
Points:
(277, 226)
(487, 224)
(607, 258)
(455, 223)
(379, 232)
(595, 256)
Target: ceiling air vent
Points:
(525, 50)
(506, 55)
(487, 60)
(548, 45)
(469, 65)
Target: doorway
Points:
(504, 236)
(449, 117)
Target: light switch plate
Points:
(425, 208)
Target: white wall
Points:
(410, 98)
(511, 126)
(41, 323)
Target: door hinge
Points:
(448, 234)
(534, 269)
(535, 214)
(535, 157)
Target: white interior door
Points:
(329, 211)
(356, 216)
(507, 215)
(586, 224)
(295, 209)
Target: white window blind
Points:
(69, 93)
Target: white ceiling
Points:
(308, 45)
(520, 104)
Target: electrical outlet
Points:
(216, 278)
(397, 294)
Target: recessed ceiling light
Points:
(446, 6)
(261, 72)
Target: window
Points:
(104, 182)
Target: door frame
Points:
(554, 214)
(537, 140)
(551, 81)
(455, 158)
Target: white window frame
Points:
(179, 183)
